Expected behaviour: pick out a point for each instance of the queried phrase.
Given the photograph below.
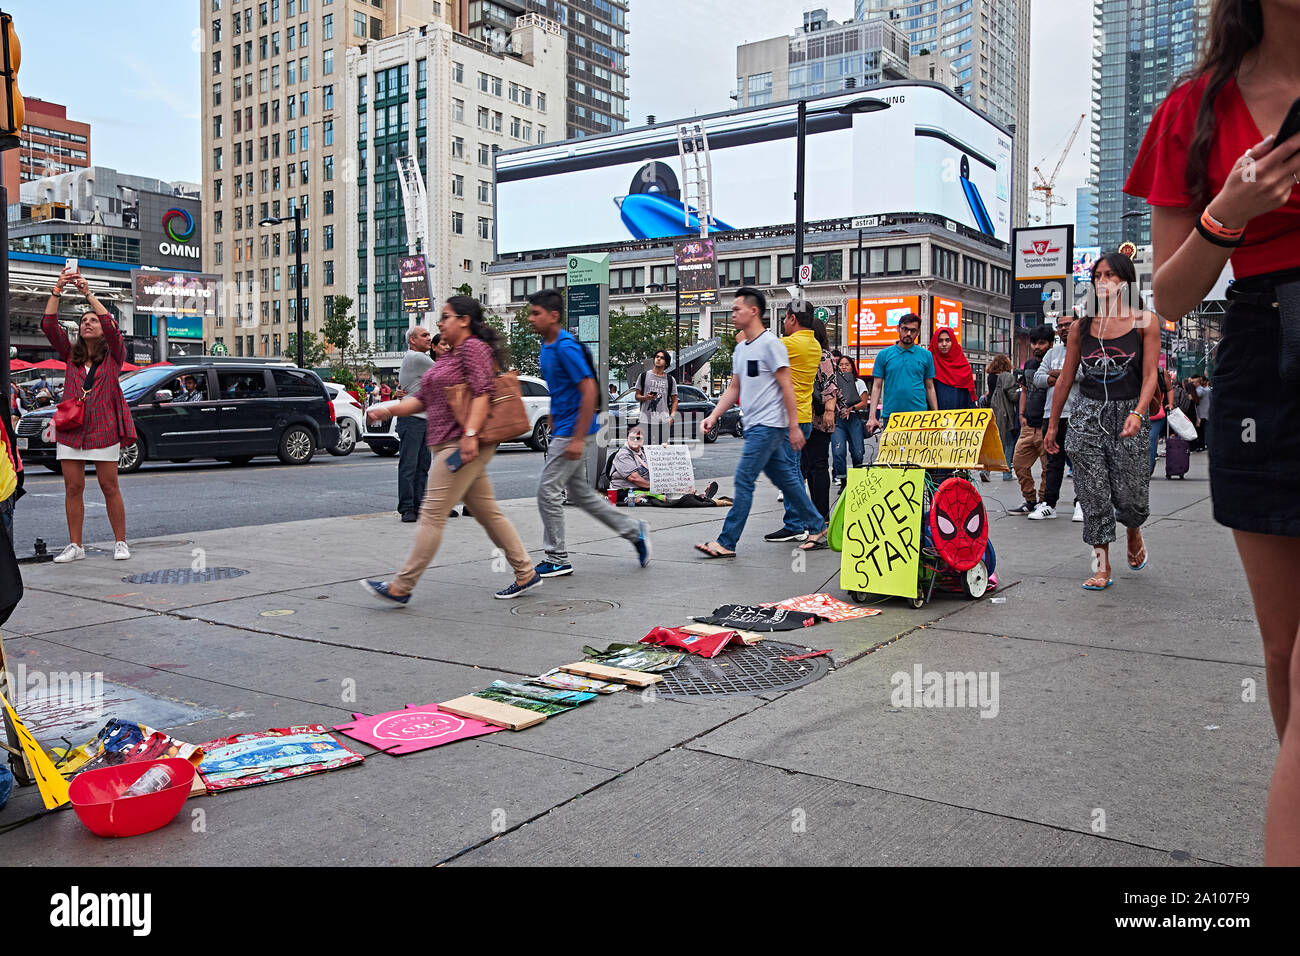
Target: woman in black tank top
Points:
(1114, 357)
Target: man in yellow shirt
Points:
(805, 355)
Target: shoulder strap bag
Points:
(71, 412)
(507, 419)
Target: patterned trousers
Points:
(1111, 474)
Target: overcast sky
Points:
(131, 70)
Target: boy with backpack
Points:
(575, 404)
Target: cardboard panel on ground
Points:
(846, 825)
(1059, 755)
(450, 808)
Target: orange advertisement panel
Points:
(877, 323)
(947, 315)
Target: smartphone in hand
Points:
(70, 266)
(454, 462)
(1290, 125)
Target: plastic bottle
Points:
(631, 501)
(154, 779)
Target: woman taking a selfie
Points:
(459, 469)
(94, 363)
(1224, 185)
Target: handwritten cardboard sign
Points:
(671, 469)
(949, 438)
(882, 531)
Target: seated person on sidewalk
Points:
(630, 471)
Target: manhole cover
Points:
(564, 608)
(754, 669)
(185, 576)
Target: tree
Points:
(525, 344)
(351, 354)
(720, 364)
(634, 338)
(465, 289)
(313, 351)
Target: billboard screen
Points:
(185, 299)
(928, 152)
(947, 315)
(414, 277)
(877, 324)
(697, 271)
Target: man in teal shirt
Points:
(905, 372)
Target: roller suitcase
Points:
(1178, 456)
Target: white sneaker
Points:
(73, 552)
(1043, 510)
(780, 496)
(121, 552)
(1078, 512)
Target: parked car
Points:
(242, 411)
(382, 436)
(351, 416)
(692, 404)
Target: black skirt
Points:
(1254, 433)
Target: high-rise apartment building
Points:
(274, 108)
(988, 44)
(823, 57)
(1085, 216)
(1140, 47)
(595, 33)
(50, 144)
(452, 103)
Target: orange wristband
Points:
(1216, 228)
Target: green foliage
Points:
(720, 364)
(313, 351)
(525, 344)
(349, 356)
(634, 338)
(465, 289)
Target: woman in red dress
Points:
(1221, 189)
(106, 421)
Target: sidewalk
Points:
(1121, 736)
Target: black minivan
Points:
(236, 412)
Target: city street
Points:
(164, 498)
(1122, 734)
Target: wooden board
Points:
(603, 672)
(492, 712)
(705, 630)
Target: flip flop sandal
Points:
(814, 545)
(1139, 567)
(708, 552)
(1093, 587)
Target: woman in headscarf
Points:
(954, 381)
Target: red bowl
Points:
(96, 797)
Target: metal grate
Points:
(185, 576)
(564, 608)
(750, 670)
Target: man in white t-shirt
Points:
(760, 382)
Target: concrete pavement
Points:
(1121, 735)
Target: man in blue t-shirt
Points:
(905, 373)
(572, 383)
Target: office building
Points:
(452, 102)
(1140, 48)
(988, 46)
(50, 144)
(274, 101)
(595, 34)
(823, 57)
(111, 223)
(1085, 216)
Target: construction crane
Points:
(1047, 186)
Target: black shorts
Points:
(1254, 433)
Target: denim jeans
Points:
(768, 450)
(1157, 429)
(848, 432)
(413, 459)
(791, 511)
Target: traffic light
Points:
(11, 101)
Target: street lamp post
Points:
(297, 248)
(864, 104)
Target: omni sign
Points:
(179, 226)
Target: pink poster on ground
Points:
(416, 728)
(823, 605)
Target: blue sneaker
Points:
(643, 543)
(549, 569)
(379, 589)
(517, 589)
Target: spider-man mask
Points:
(958, 524)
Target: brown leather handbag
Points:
(507, 419)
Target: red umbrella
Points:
(17, 365)
(54, 365)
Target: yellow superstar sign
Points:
(953, 438)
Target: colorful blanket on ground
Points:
(824, 606)
(269, 756)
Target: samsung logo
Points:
(174, 249)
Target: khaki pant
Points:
(446, 489)
(1029, 448)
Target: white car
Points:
(382, 436)
(351, 418)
